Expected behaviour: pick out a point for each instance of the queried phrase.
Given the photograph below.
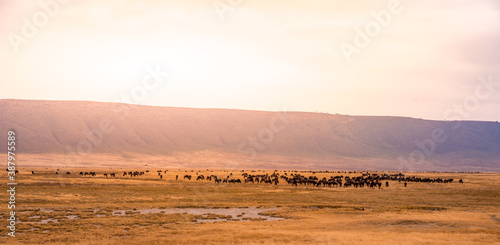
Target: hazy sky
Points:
(424, 58)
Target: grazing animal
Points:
(33, 172)
(387, 184)
(460, 181)
(176, 177)
(106, 175)
(187, 177)
(68, 173)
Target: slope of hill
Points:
(326, 141)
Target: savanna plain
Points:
(83, 209)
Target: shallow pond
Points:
(210, 214)
(201, 214)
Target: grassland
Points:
(74, 209)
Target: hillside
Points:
(251, 138)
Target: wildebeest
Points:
(231, 181)
(187, 177)
(136, 173)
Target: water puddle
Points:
(46, 221)
(70, 217)
(210, 214)
(494, 218)
(202, 215)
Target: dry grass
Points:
(419, 214)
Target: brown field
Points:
(74, 209)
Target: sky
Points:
(425, 59)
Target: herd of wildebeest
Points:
(367, 179)
(293, 177)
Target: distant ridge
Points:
(329, 141)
